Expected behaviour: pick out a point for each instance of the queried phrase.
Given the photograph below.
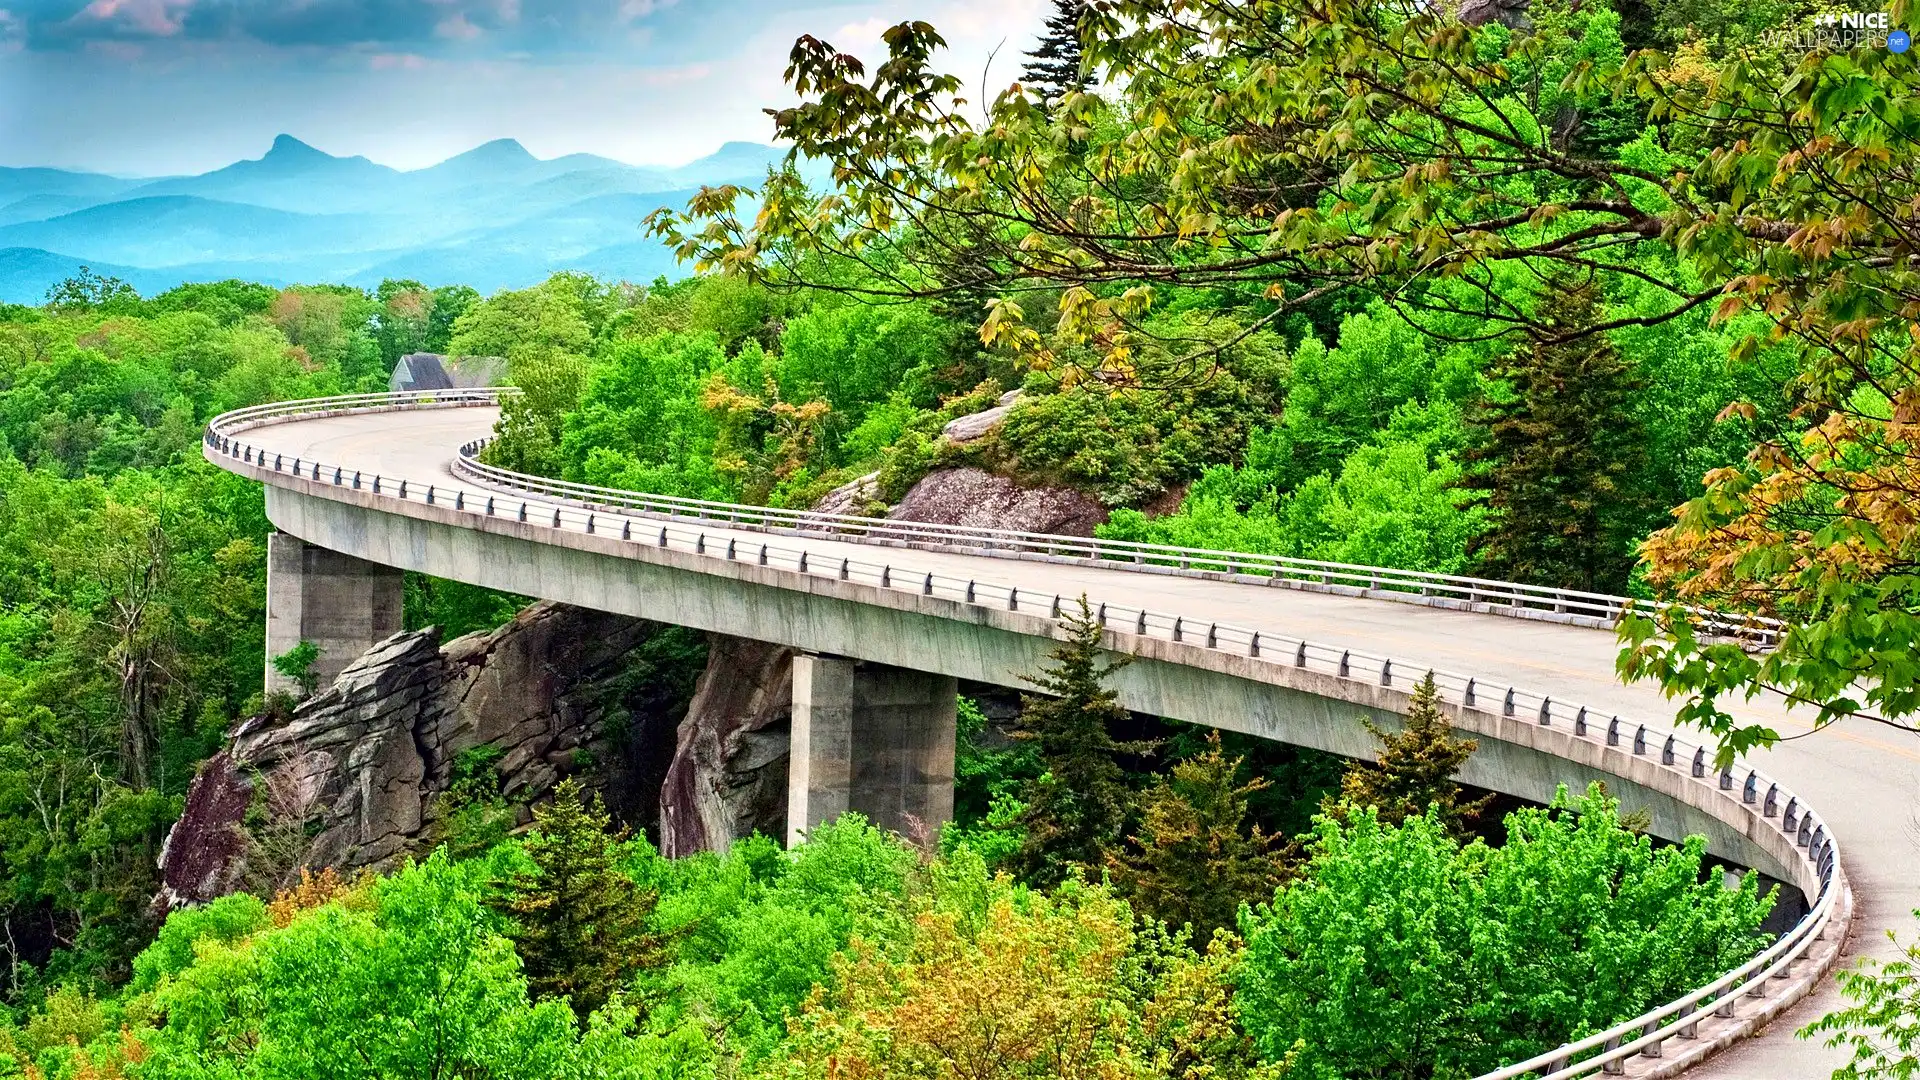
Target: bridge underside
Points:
(938, 637)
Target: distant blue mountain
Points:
(167, 230)
(27, 273)
(493, 217)
(291, 176)
(16, 184)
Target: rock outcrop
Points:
(975, 497)
(965, 429)
(728, 778)
(352, 777)
(852, 497)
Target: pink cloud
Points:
(160, 18)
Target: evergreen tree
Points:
(1194, 859)
(1555, 456)
(1077, 810)
(1055, 66)
(1415, 768)
(580, 924)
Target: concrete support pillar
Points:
(871, 738)
(341, 604)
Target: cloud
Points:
(455, 27)
(13, 32)
(397, 62)
(535, 27)
(154, 18)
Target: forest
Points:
(1616, 298)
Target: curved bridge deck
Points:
(1860, 780)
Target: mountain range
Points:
(493, 217)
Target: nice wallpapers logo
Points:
(1844, 30)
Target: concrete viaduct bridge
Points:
(890, 615)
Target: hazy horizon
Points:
(261, 152)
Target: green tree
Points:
(1399, 952)
(1556, 452)
(1413, 775)
(1077, 810)
(580, 924)
(297, 664)
(1056, 65)
(1878, 1023)
(1195, 857)
(416, 983)
(87, 290)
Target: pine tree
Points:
(1077, 810)
(1194, 859)
(1055, 66)
(1415, 767)
(1555, 458)
(580, 925)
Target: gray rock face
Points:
(977, 498)
(355, 772)
(851, 497)
(1509, 13)
(965, 429)
(728, 778)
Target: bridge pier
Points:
(871, 738)
(342, 604)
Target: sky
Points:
(168, 87)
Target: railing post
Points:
(1300, 655)
(1345, 654)
(1506, 707)
(1613, 1066)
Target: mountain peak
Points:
(288, 148)
(502, 150)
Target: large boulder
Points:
(728, 778)
(980, 499)
(352, 776)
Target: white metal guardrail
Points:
(649, 521)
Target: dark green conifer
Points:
(1415, 767)
(1077, 810)
(580, 924)
(1195, 859)
(1556, 454)
(1055, 67)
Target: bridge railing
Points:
(1769, 804)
